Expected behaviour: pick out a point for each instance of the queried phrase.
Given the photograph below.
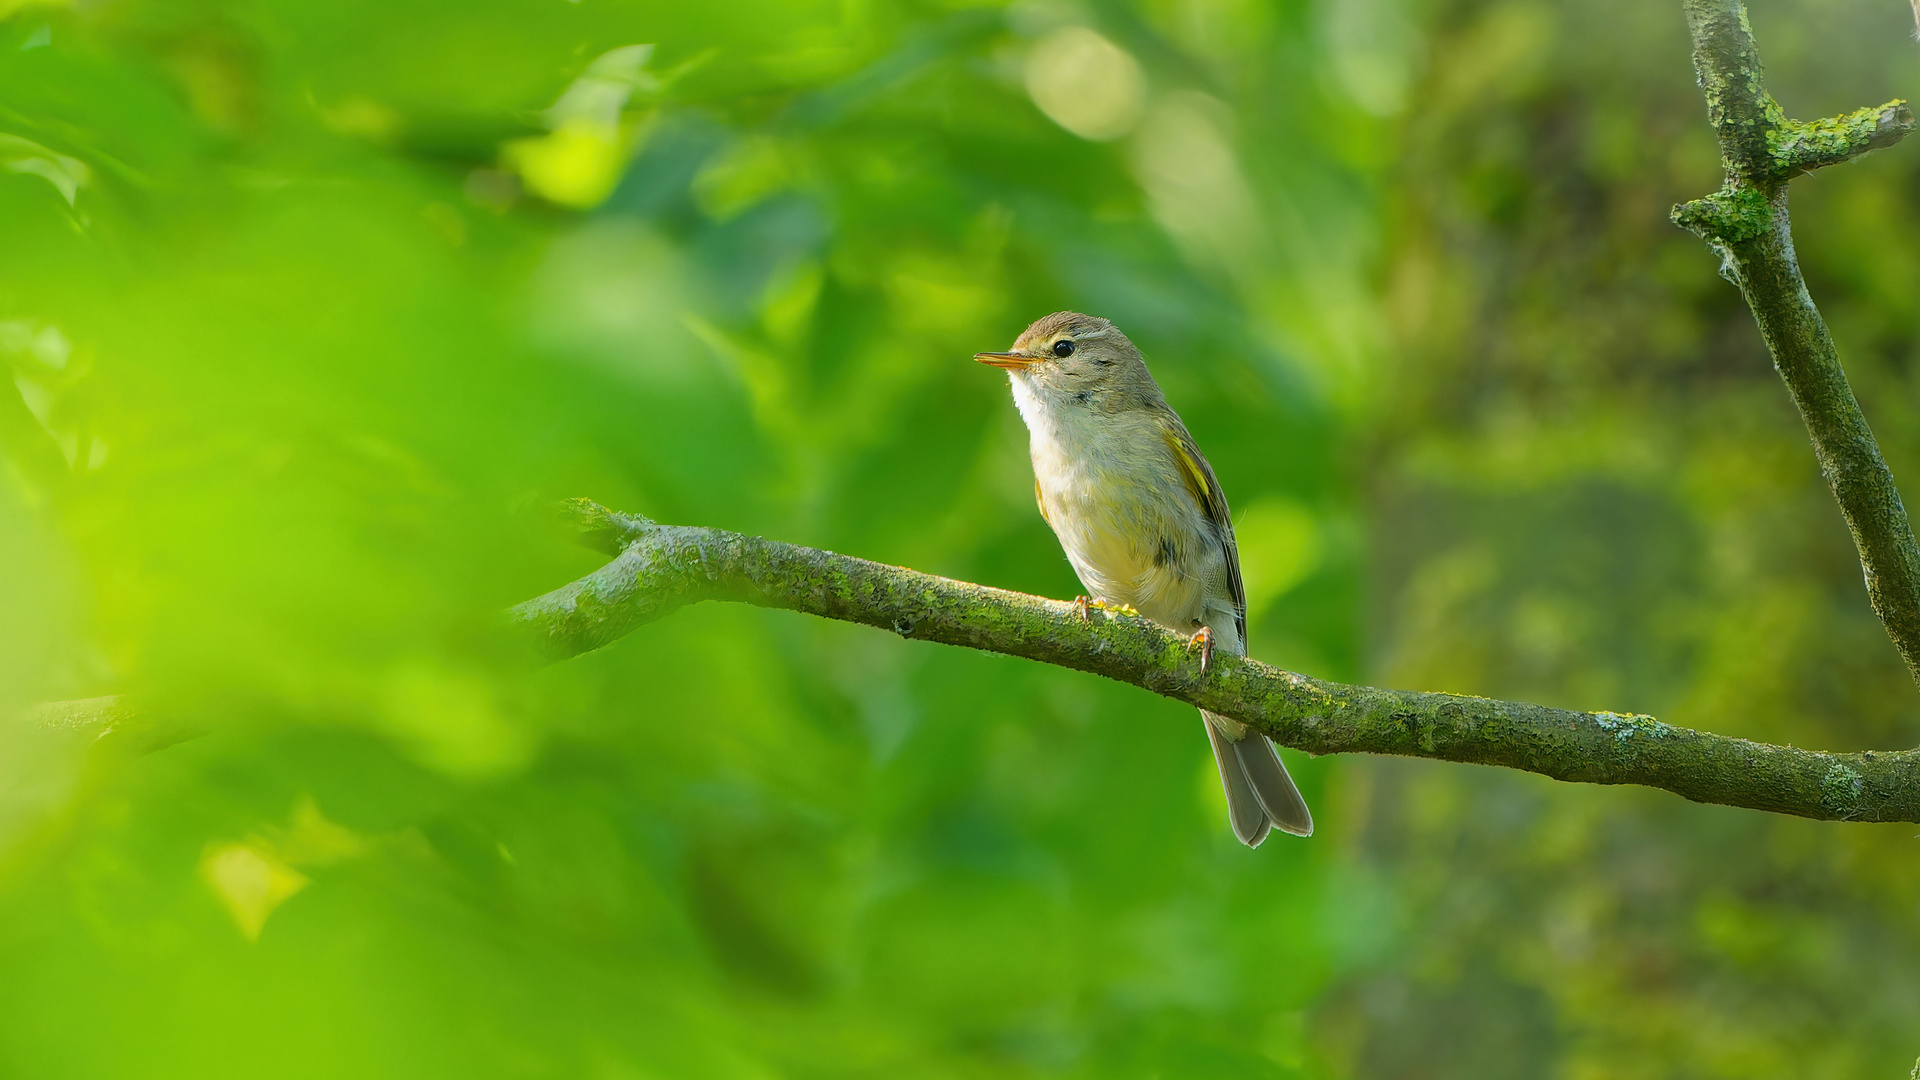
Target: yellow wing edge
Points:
(1193, 469)
(1213, 503)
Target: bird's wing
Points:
(1205, 490)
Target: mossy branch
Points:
(660, 568)
(1801, 146)
(1746, 224)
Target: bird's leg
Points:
(1080, 605)
(1202, 639)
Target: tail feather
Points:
(1260, 794)
(1276, 789)
(1244, 810)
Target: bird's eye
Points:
(1063, 347)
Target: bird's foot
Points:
(1083, 606)
(1202, 639)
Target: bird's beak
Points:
(1009, 360)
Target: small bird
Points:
(1144, 523)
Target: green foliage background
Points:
(313, 309)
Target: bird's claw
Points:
(1202, 639)
(1083, 606)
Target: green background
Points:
(315, 309)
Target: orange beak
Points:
(1010, 361)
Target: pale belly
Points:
(1117, 571)
(1134, 543)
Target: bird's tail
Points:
(1260, 794)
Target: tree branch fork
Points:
(1747, 225)
(657, 569)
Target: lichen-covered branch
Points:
(659, 568)
(1746, 223)
(1801, 146)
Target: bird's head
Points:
(1068, 356)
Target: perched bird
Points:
(1144, 523)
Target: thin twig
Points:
(1746, 223)
(660, 568)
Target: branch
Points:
(1746, 223)
(1801, 146)
(136, 726)
(96, 714)
(660, 568)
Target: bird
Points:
(1143, 521)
